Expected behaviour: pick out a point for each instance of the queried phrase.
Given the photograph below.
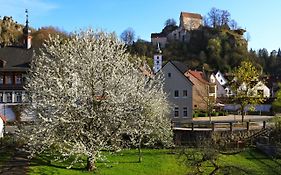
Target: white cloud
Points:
(16, 8)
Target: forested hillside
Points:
(11, 33)
(218, 45)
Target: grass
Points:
(254, 162)
(156, 162)
(162, 162)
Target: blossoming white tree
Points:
(84, 94)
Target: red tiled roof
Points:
(4, 118)
(199, 75)
(191, 15)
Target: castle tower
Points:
(26, 33)
(157, 60)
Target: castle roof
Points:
(191, 15)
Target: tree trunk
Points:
(91, 164)
(139, 149)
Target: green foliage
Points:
(246, 77)
(142, 48)
(277, 103)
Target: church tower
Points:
(26, 33)
(157, 60)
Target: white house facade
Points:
(220, 78)
(261, 89)
(1, 127)
(179, 90)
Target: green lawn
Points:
(155, 162)
(162, 162)
(254, 162)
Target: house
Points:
(204, 92)
(220, 89)
(261, 89)
(188, 22)
(179, 90)
(14, 64)
(220, 78)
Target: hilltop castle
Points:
(188, 22)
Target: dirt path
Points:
(17, 165)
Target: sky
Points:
(261, 18)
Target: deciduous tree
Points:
(84, 94)
(128, 36)
(246, 77)
(170, 22)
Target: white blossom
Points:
(85, 93)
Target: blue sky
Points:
(261, 18)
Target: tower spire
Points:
(26, 32)
(26, 18)
(158, 48)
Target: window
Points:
(260, 93)
(169, 74)
(18, 79)
(1, 79)
(1, 97)
(212, 89)
(18, 97)
(184, 93)
(8, 97)
(176, 112)
(8, 79)
(185, 112)
(176, 93)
